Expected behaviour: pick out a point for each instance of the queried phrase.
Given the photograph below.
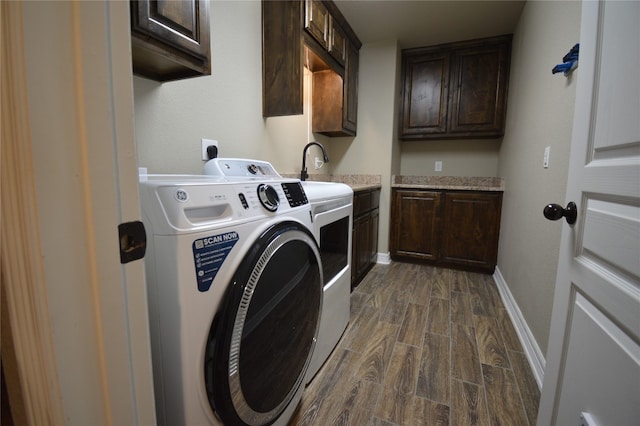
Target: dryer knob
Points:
(268, 197)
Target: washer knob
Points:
(268, 197)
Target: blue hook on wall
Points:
(569, 61)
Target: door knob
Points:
(555, 212)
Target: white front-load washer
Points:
(234, 283)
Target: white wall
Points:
(372, 150)
(540, 114)
(172, 117)
(459, 157)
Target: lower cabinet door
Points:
(470, 229)
(373, 243)
(415, 224)
(363, 236)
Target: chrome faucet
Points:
(303, 173)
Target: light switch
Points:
(545, 161)
(438, 166)
(586, 419)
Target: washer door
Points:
(262, 339)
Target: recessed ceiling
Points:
(424, 22)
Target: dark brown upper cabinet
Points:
(350, 102)
(282, 85)
(455, 90)
(311, 33)
(170, 40)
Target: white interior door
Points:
(593, 361)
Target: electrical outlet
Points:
(205, 143)
(438, 166)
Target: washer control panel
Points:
(268, 197)
(182, 202)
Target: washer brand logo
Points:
(209, 254)
(182, 195)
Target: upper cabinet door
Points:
(337, 42)
(316, 21)
(478, 102)
(170, 39)
(350, 94)
(282, 84)
(425, 94)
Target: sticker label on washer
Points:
(209, 253)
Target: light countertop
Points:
(368, 182)
(356, 182)
(465, 183)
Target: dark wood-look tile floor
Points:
(425, 346)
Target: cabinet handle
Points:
(556, 211)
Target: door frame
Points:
(89, 314)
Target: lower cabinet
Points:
(458, 229)
(415, 218)
(366, 219)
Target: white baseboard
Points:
(384, 258)
(531, 349)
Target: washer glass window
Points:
(260, 348)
